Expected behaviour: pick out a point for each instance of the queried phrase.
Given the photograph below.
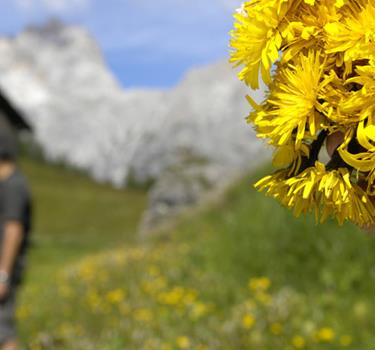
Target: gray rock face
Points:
(181, 188)
(81, 116)
(205, 116)
(56, 74)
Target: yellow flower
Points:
(341, 106)
(93, 300)
(346, 340)
(363, 161)
(263, 298)
(154, 285)
(166, 347)
(248, 321)
(199, 310)
(286, 155)
(354, 34)
(290, 113)
(116, 296)
(66, 330)
(360, 310)
(183, 342)
(124, 309)
(66, 291)
(143, 315)
(325, 334)
(87, 271)
(323, 53)
(201, 347)
(296, 192)
(154, 270)
(276, 328)
(327, 193)
(344, 200)
(298, 342)
(173, 297)
(190, 296)
(259, 284)
(257, 39)
(305, 29)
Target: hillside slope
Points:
(242, 275)
(75, 216)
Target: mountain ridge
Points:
(83, 117)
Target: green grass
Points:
(75, 216)
(94, 286)
(249, 232)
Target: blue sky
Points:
(147, 43)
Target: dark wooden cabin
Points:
(10, 117)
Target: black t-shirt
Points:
(15, 205)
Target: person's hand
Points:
(4, 290)
(334, 141)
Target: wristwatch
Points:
(4, 277)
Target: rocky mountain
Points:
(205, 117)
(57, 76)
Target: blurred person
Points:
(15, 223)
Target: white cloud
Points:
(56, 6)
(231, 4)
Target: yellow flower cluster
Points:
(317, 58)
(284, 319)
(131, 291)
(123, 310)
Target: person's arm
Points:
(12, 239)
(13, 231)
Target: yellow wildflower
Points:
(166, 347)
(143, 315)
(329, 193)
(154, 270)
(116, 296)
(201, 347)
(248, 321)
(341, 106)
(257, 39)
(354, 34)
(65, 291)
(276, 328)
(360, 310)
(190, 296)
(325, 334)
(263, 298)
(183, 342)
(290, 113)
(287, 154)
(323, 82)
(305, 29)
(199, 310)
(299, 342)
(259, 284)
(124, 309)
(363, 161)
(346, 340)
(93, 299)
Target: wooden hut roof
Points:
(12, 114)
